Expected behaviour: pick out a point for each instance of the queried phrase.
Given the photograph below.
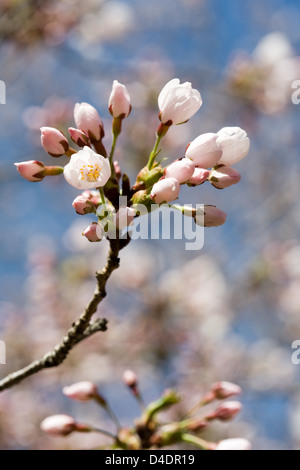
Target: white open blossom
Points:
(87, 170)
(178, 102)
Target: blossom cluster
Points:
(94, 171)
(51, 20)
(263, 80)
(149, 431)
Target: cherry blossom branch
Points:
(80, 330)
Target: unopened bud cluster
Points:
(91, 168)
(148, 431)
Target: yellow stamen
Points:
(90, 174)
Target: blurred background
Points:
(178, 318)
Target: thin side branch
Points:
(80, 330)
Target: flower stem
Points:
(177, 207)
(154, 152)
(103, 403)
(53, 170)
(70, 152)
(112, 416)
(196, 441)
(102, 431)
(140, 401)
(103, 201)
(102, 197)
(160, 133)
(209, 398)
(112, 151)
(195, 408)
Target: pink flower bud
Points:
(93, 196)
(178, 102)
(88, 194)
(53, 141)
(96, 200)
(83, 205)
(165, 190)
(222, 177)
(199, 176)
(124, 217)
(81, 391)
(197, 425)
(130, 379)
(226, 411)
(213, 217)
(119, 101)
(79, 137)
(204, 151)
(182, 170)
(94, 232)
(223, 390)
(31, 170)
(234, 444)
(88, 120)
(59, 425)
(234, 143)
